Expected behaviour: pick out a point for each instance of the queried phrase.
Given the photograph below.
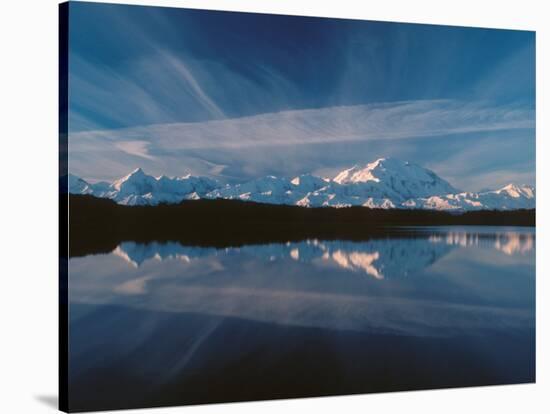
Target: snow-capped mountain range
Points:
(138, 188)
(384, 183)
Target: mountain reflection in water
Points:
(436, 282)
(377, 258)
(164, 323)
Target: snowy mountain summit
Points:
(138, 188)
(382, 169)
(384, 183)
(401, 177)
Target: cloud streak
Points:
(137, 148)
(196, 89)
(244, 147)
(326, 125)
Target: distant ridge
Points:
(386, 183)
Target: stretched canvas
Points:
(259, 206)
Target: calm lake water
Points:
(162, 323)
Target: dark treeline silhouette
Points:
(98, 225)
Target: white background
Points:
(28, 204)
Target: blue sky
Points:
(239, 95)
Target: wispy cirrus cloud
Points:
(194, 86)
(333, 124)
(137, 148)
(492, 160)
(288, 130)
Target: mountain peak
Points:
(137, 171)
(396, 178)
(373, 170)
(137, 182)
(517, 191)
(78, 185)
